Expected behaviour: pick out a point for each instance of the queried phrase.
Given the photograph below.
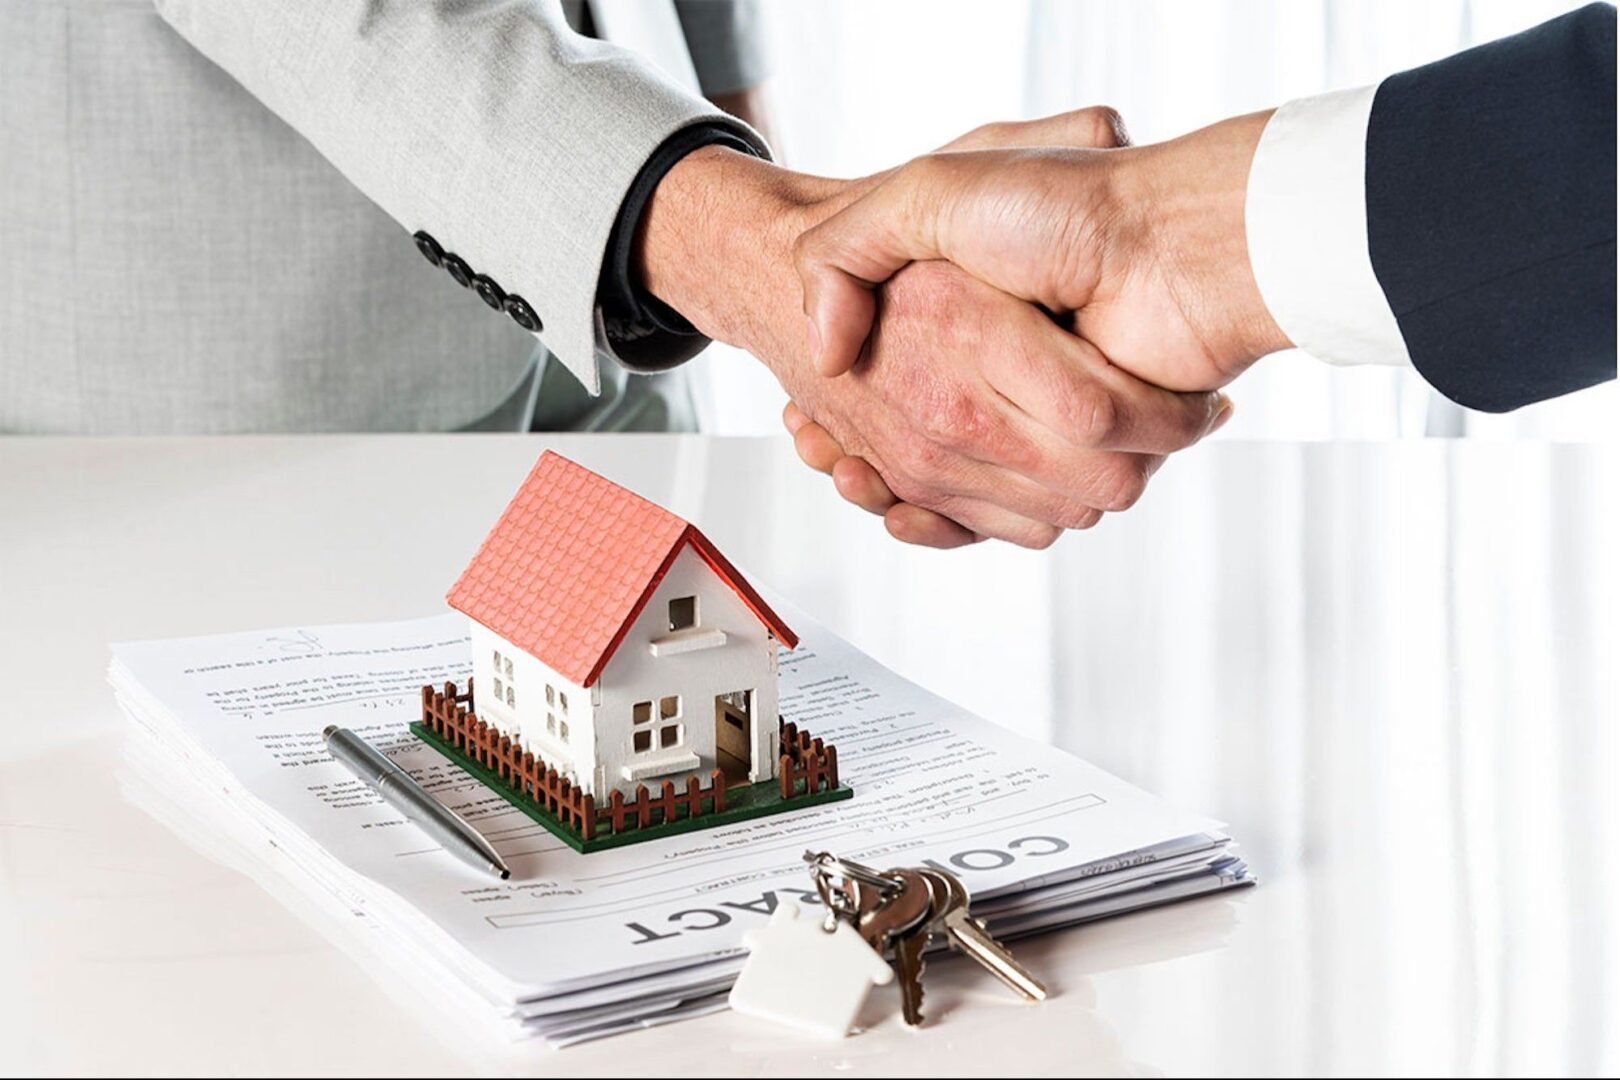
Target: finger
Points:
(862, 485)
(986, 500)
(1095, 126)
(1072, 497)
(840, 309)
(793, 418)
(977, 443)
(1067, 386)
(816, 448)
(1011, 507)
(914, 525)
(979, 517)
(842, 259)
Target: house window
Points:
(562, 730)
(551, 723)
(669, 734)
(642, 739)
(683, 613)
(562, 699)
(503, 691)
(551, 696)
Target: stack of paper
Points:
(226, 747)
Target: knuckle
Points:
(915, 478)
(1197, 421)
(1077, 517)
(927, 458)
(1124, 482)
(928, 168)
(989, 134)
(1038, 537)
(1024, 456)
(931, 293)
(956, 418)
(1108, 126)
(1093, 413)
(804, 251)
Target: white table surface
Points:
(1388, 666)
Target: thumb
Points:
(843, 259)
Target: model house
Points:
(614, 641)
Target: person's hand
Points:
(1142, 251)
(1143, 248)
(971, 404)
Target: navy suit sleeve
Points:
(1491, 212)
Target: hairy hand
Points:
(969, 404)
(1140, 251)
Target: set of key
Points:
(900, 912)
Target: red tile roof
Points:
(571, 563)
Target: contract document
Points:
(226, 746)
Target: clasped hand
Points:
(1131, 265)
(1002, 341)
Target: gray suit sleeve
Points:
(727, 41)
(494, 127)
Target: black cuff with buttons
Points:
(489, 291)
(646, 333)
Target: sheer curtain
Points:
(861, 84)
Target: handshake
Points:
(1004, 338)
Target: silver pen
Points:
(404, 794)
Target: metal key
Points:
(968, 935)
(895, 910)
(884, 913)
(910, 942)
(863, 895)
(909, 951)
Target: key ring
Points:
(825, 862)
(825, 866)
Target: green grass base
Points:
(743, 803)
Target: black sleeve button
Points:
(457, 268)
(489, 292)
(522, 314)
(429, 247)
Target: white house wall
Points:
(526, 719)
(747, 661)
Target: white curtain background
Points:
(1266, 608)
(862, 84)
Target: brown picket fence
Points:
(451, 716)
(806, 758)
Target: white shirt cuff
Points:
(1306, 219)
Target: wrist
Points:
(715, 243)
(1194, 190)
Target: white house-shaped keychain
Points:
(800, 974)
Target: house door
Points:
(734, 734)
